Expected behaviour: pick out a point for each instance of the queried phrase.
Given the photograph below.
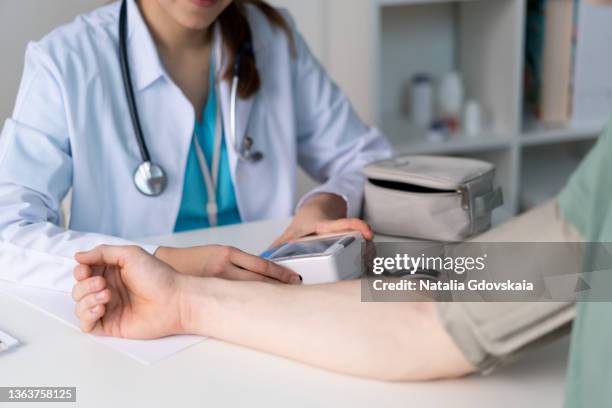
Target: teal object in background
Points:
(192, 213)
(586, 202)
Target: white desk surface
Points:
(216, 374)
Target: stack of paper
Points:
(7, 342)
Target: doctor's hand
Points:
(125, 292)
(215, 261)
(323, 214)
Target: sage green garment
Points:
(586, 202)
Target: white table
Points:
(215, 374)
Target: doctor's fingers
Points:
(235, 273)
(89, 302)
(287, 236)
(343, 225)
(262, 267)
(88, 286)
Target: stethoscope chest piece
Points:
(150, 179)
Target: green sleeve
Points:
(586, 202)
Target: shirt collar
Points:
(146, 64)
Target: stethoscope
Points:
(150, 178)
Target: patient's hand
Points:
(226, 263)
(125, 292)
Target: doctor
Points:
(172, 115)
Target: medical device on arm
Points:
(322, 259)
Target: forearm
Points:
(328, 327)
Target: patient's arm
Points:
(125, 292)
(327, 326)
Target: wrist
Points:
(325, 206)
(196, 305)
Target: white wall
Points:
(310, 16)
(22, 21)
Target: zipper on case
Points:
(409, 188)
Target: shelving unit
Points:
(535, 134)
(391, 40)
(397, 127)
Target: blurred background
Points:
(525, 84)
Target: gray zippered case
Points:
(435, 198)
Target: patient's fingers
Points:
(90, 318)
(85, 287)
(91, 301)
(107, 255)
(346, 224)
(82, 272)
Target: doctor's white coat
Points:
(71, 129)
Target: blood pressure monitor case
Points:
(434, 198)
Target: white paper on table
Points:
(61, 307)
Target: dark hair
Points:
(236, 31)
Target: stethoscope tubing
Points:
(129, 89)
(150, 178)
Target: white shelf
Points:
(537, 134)
(457, 144)
(407, 139)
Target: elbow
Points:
(398, 369)
(404, 376)
(402, 366)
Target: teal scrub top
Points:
(192, 213)
(586, 202)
